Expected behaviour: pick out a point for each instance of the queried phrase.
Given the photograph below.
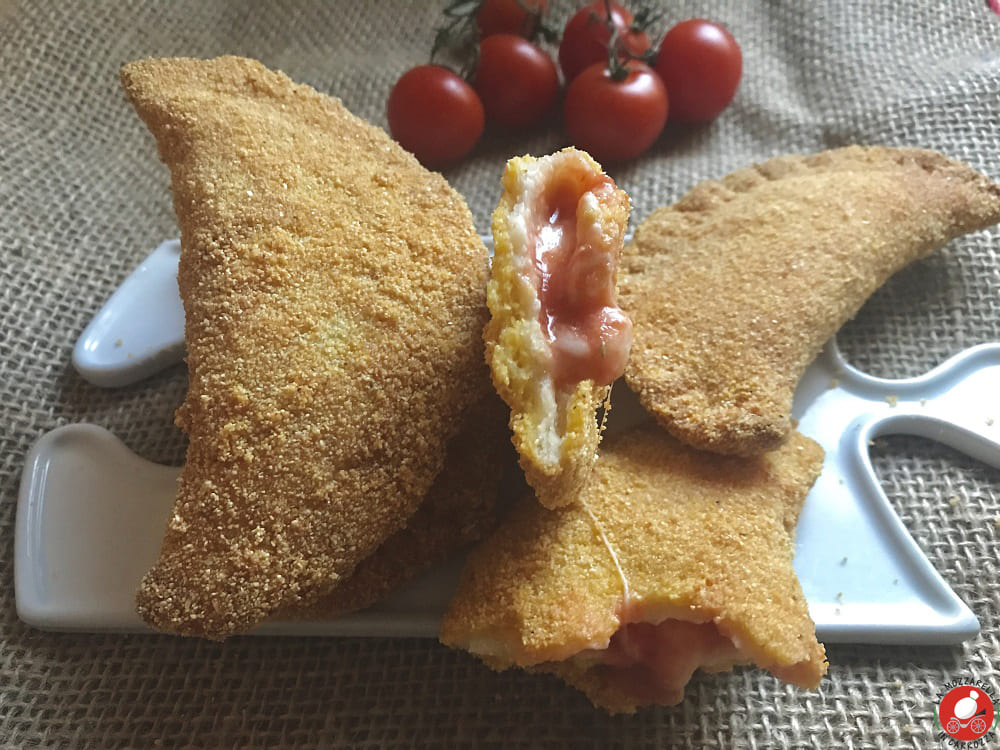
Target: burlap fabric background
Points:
(83, 199)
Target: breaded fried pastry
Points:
(671, 561)
(460, 508)
(556, 338)
(734, 289)
(334, 296)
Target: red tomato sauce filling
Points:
(588, 333)
(653, 663)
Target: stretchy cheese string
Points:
(626, 590)
(606, 410)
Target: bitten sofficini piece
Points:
(556, 339)
(334, 295)
(671, 560)
(734, 289)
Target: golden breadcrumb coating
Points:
(555, 431)
(734, 289)
(661, 532)
(460, 508)
(334, 297)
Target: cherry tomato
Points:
(516, 80)
(615, 120)
(519, 17)
(586, 37)
(700, 64)
(435, 114)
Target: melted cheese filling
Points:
(652, 663)
(572, 264)
(652, 655)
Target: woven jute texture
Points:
(83, 198)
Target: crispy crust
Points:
(518, 357)
(696, 536)
(460, 508)
(734, 289)
(333, 292)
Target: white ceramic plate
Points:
(91, 514)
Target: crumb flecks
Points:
(744, 279)
(459, 509)
(334, 294)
